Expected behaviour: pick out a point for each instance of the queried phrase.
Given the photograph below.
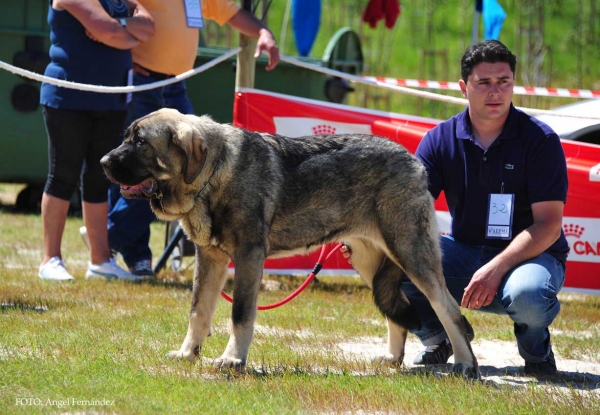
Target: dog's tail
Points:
(389, 298)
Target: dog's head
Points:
(160, 159)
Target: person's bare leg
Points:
(54, 217)
(95, 218)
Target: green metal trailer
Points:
(24, 43)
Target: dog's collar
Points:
(209, 177)
(205, 184)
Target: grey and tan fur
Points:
(246, 196)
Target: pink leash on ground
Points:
(310, 277)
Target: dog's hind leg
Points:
(209, 279)
(400, 314)
(395, 343)
(448, 312)
(416, 247)
(370, 262)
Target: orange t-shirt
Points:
(173, 48)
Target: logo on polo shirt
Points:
(509, 166)
(583, 236)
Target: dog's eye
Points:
(139, 141)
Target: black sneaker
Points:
(142, 268)
(439, 354)
(546, 368)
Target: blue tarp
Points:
(306, 17)
(493, 19)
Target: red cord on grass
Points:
(309, 279)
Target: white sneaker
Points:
(109, 270)
(54, 270)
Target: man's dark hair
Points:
(489, 51)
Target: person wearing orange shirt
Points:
(171, 51)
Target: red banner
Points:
(291, 116)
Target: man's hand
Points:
(483, 286)
(244, 22)
(266, 43)
(547, 223)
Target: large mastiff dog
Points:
(247, 196)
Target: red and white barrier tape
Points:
(518, 90)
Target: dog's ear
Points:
(188, 137)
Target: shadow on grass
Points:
(511, 376)
(18, 305)
(514, 376)
(169, 283)
(34, 304)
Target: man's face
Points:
(489, 90)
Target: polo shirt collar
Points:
(509, 132)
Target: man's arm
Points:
(140, 25)
(546, 228)
(250, 26)
(427, 154)
(100, 26)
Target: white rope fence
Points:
(413, 92)
(118, 89)
(284, 58)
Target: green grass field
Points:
(98, 347)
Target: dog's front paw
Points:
(182, 354)
(467, 371)
(230, 363)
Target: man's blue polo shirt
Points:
(526, 160)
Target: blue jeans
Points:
(129, 219)
(527, 294)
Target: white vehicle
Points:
(579, 129)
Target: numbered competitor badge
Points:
(500, 216)
(193, 13)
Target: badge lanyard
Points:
(500, 206)
(193, 14)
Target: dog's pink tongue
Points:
(142, 190)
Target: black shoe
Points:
(437, 354)
(546, 368)
(440, 353)
(142, 268)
